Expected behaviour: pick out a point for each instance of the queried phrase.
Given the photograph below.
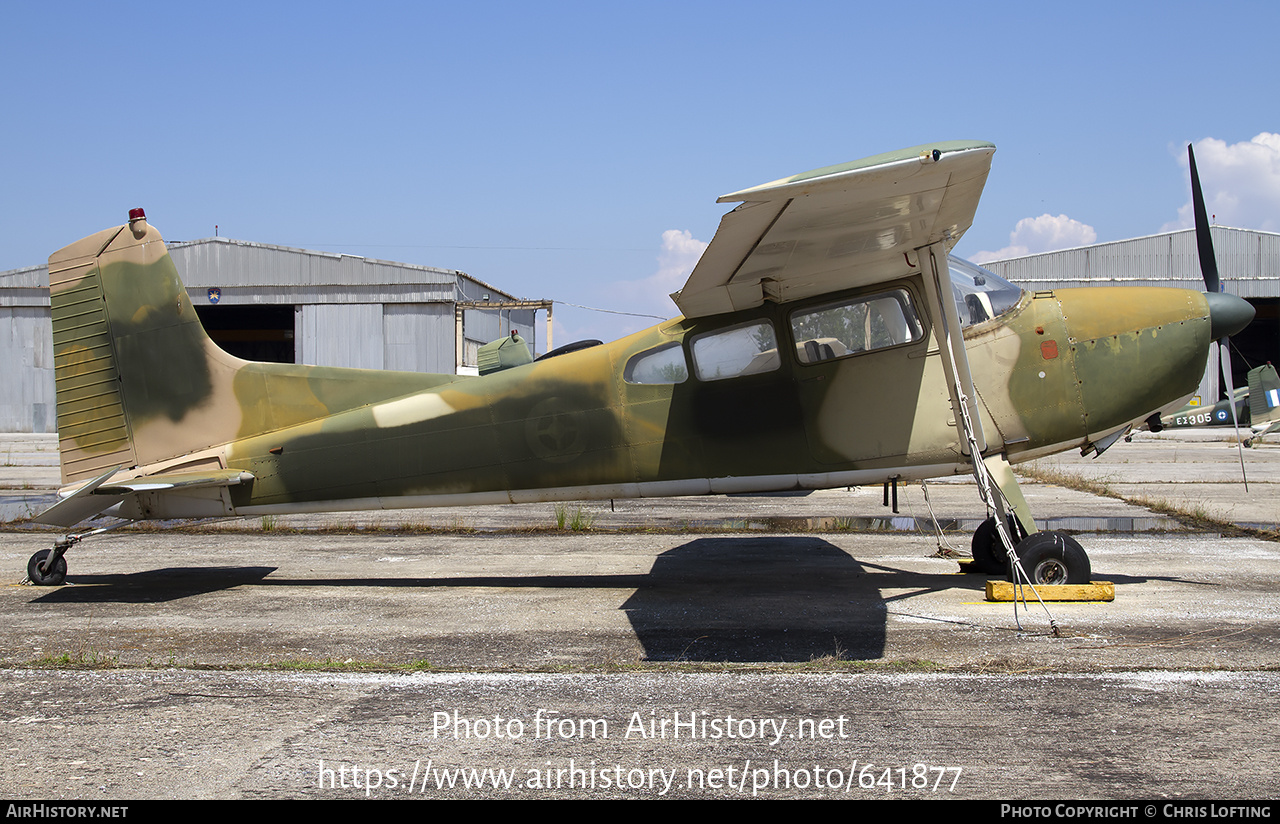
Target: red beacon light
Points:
(138, 223)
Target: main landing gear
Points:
(1047, 557)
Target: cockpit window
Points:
(852, 326)
(740, 350)
(980, 295)
(665, 364)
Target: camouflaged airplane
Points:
(1257, 407)
(827, 340)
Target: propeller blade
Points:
(1231, 397)
(1213, 284)
(1204, 242)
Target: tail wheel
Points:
(1054, 558)
(54, 575)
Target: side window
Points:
(742, 350)
(852, 326)
(662, 365)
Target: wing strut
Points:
(950, 337)
(997, 490)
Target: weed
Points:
(1195, 516)
(85, 658)
(577, 520)
(268, 523)
(1068, 480)
(349, 665)
(841, 654)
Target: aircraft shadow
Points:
(732, 598)
(152, 586)
(758, 599)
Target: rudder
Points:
(1264, 392)
(131, 359)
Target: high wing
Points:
(836, 228)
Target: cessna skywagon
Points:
(827, 340)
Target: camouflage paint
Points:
(1057, 369)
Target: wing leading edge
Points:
(838, 227)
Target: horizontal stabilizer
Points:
(97, 496)
(80, 504)
(178, 480)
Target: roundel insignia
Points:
(1222, 414)
(555, 432)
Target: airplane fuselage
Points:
(1051, 374)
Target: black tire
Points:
(47, 578)
(1054, 558)
(989, 554)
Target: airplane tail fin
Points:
(133, 367)
(1264, 393)
(139, 382)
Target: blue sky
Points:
(574, 151)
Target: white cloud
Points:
(1046, 233)
(1241, 183)
(677, 256)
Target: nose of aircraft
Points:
(1228, 314)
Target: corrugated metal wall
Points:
(336, 334)
(418, 337)
(26, 352)
(349, 311)
(1248, 261)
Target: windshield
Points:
(980, 295)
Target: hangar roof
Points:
(1248, 261)
(250, 272)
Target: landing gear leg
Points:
(1045, 557)
(1005, 506)
(996, 482)
(1007, 482)
(47, 568)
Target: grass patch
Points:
(822, 664)
(1194, 516)
(349, 665)
(1069, 480)
(577, 519)
(81, 659)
